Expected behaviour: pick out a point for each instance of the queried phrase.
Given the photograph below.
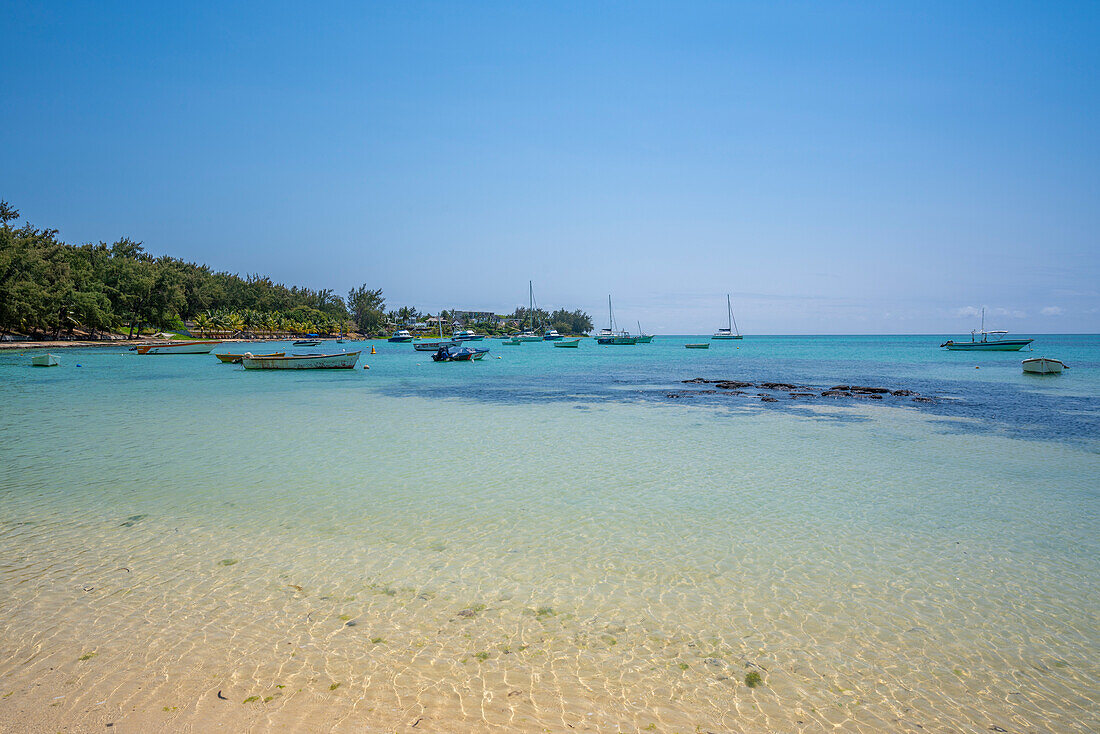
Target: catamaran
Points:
(731, 331)
(997, 343)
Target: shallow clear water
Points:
(549, 540)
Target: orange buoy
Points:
(366, 366)
(372, 350)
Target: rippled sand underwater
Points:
(330, 560)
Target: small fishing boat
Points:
(528, 336)
(306, 343)
(188, 347)
(236, 358)
(701, 345)
(990, 341)
(568, 343)
(1044, 366)
(551, 335)
(459, 354)
(512, 341)
(340, 361)
(731, 331)
(469, 335)
(401, 336)
(45, 360)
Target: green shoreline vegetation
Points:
(49, 288)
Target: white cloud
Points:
(974, 311)
(1051, 311)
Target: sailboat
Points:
(997, 344)
(528, 334)
(731, 331)
(643, 338)
(609, 336)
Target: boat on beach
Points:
(990, 341)
(45, 360)
(1044, 366)
(188, 347)
(731, 331)
(339, 361)
(236, 358)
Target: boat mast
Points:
(531, 303)
(610, 318)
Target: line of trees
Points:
(48, 287)
(566, 322)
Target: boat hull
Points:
(644, 339)
(705, 345)
(726, 337)
(1001, 345)
(1043, 366)
(568, 343)
(342, 361)
(433, 346)
(236, 358)
(44, 360)
(617, 340)
(475, 338)
(197, 347)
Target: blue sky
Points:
(837, 167)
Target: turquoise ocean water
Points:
(555, 540)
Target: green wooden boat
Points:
(703, 345)
(568, 343)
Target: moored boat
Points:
(401, 336)
(236, 358)
(339, 361)
(568, 343)
(990, 341)
(45, 360)
(643, 338)
(459, 354)
(188, 347)
(433, 345)
(609, 336)
(551, 335)
(700, 345)
(731, 331)
(469, 335)
(307, 342)
(1044, 366)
